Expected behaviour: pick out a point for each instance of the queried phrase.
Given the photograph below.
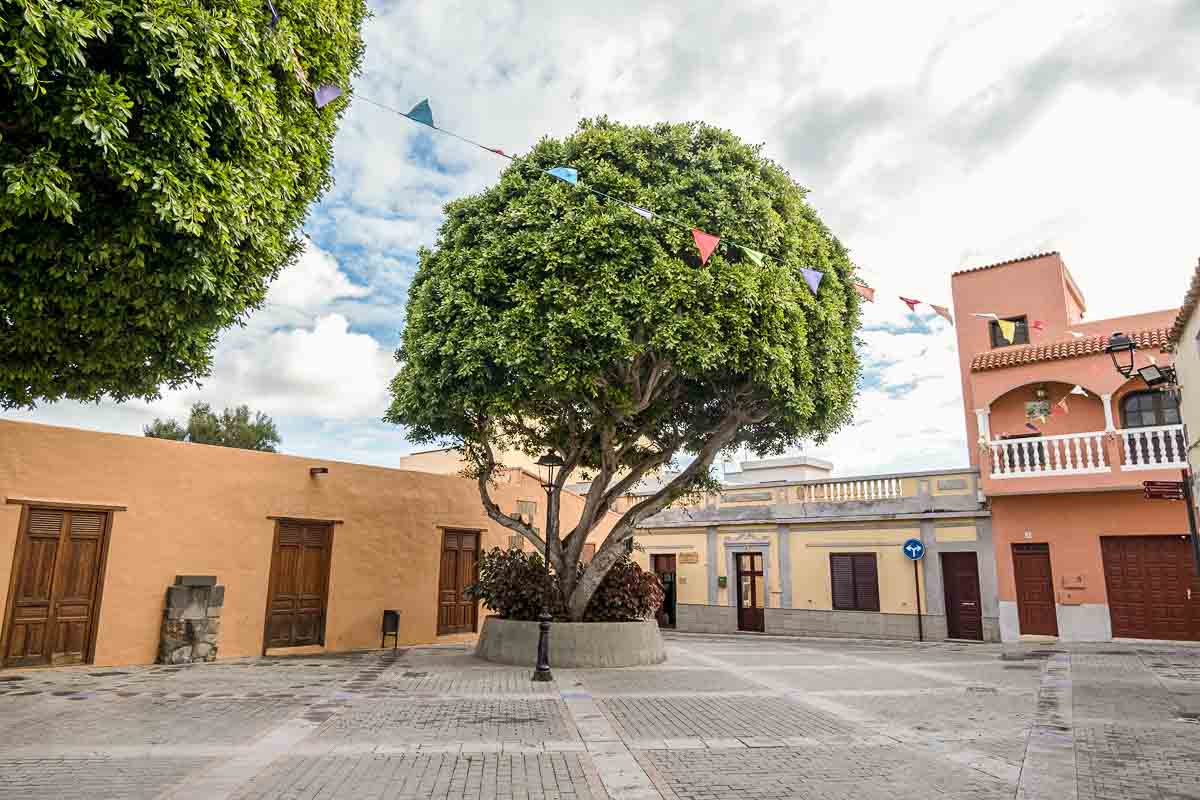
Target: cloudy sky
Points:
(933, 136)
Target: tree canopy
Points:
(546, 318)
(156, 161)
(233, 428)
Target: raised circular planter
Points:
(572, 644)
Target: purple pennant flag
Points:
(326, 93)
(274, 15)
(813, 278)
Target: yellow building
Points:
(824, 558)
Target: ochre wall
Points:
(1072, 525)
(201, 510)
(811, 581)
(691, 585)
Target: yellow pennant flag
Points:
(1008, 329)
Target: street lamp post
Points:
(548, 467)
(1121, 348)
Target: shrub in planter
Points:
(512, 583)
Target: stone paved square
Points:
(725, 717)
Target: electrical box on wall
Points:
(722, 581)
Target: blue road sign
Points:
(914, 549)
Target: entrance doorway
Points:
(1149, 581)
(54, 595)
(751, 591)
(460, 568)
(1035, 589)
(299, 587)
(664, 568)
(964, 614)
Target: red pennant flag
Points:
(705, 243)
(1038, 325)
(865, 292)
(498, 151)
(912, 304)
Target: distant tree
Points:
(233, 428)
(156, 162)
(547, 318)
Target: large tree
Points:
(156, 161)
(233, 427)
(547, 318)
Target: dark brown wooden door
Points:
(55, 592)
(1149, 581)
(664, 568)
(751, 591)
(1035, 589)
(964, 614)
(460, 568)
(299, 584)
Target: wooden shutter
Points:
(841, 569)
(866, 582)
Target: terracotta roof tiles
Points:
(1070, 348)
(1190, 301)
(1033, 257)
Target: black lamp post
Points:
(548, 467)
(1121, 348)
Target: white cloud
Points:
(313, 282)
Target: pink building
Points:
(1080, 554)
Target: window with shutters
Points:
(527, 510)
(855, 581)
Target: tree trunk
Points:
(577, 601)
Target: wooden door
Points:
(751, 591)
(1150, 587)
(460, 568)
(1035, 589)
(664, 568)
(299, 586)
(54, 597)
(964, 614)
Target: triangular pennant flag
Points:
(705, 243)
(912, 304)
(865, 292)
(565, 174)
(641, 212)
(753, 255)
(1042, 418)
(274, 15)
(812, 278)
(1008, 329)
(422, 113)
(498, 151)
(1076, 334)
(1079, 390)
(1038, 325)
(986, 316)
(326, 93)
(1031, 426)
(942, 312)
(1063, 405)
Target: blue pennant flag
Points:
(326, 93)
(422, 113)
(274, 15)
(813, 278)
(567, 174)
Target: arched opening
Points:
(1150, 429)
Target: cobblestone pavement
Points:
(724, 717)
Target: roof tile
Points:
(1052, 351)
(1189, 305)
(1033, 257)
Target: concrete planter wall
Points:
(572, 644)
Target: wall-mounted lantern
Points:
(1120, 348)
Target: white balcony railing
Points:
(1159, 447)
(1066, 454)
(1084, 453)
(867, 489)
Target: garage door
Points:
(1149, 580)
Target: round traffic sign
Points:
(914, 549)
